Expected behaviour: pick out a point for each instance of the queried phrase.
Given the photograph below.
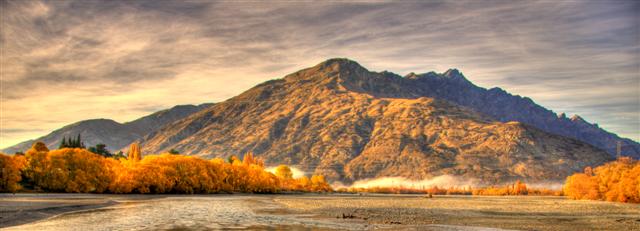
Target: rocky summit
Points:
(340, 120)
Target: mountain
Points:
(499, 104)
(340, 120)
(115, 135)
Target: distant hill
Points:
(115, 135)
(347, 123)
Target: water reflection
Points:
(184, 213)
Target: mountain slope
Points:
(342, 121)
(499, 104)
(115, 135)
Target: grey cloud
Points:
(555, 52)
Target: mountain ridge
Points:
(453, 86)
(324, 120)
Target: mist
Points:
(443, 181)
(297, 173)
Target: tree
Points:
(69, 143)
(119, 155)
(134, 152)
(284, 172)
(63, 143)
(79, 143)
(232, 159)
(10, 168)
(37, 163)
(101, 149)
(248, 159)
(174, 152)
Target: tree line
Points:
(78, 170)
(75, 169)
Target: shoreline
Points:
(19, 212)
(324, 211)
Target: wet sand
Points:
(17, 209)
(309, 212)
(510, 212)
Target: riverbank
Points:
(23, 208)
(504, 212)
(310, 212)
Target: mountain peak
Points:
(339, 61)
(577, 118)
(411, 75)
(340, 64)
(453, 73)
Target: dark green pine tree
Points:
(80, 144)
(63, 144)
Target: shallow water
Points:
(184, 213)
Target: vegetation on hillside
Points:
(78, 170)
(614, 181)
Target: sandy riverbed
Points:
(521, 213)
(309, 212)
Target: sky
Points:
(64, 61)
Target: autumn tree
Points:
(10, 176)
(232, 159)
(248, 159)
(284, 172)
(37, 163)
(618, 180)
(134, 152)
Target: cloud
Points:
(71, 60)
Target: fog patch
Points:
(297, 173)
(443, 181)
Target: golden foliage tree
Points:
(134, 152)
(10, 175)
(37, 163)
(284, 172)
(74, 170)
(614, 181)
